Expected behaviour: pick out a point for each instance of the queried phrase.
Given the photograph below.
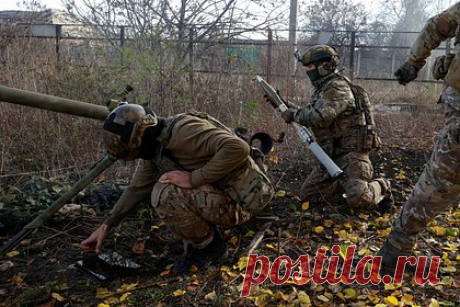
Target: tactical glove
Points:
(406, 73)
(289, 115)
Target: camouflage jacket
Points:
(212, 154)
(331, 115)
(437, 29)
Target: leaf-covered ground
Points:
(42, 270)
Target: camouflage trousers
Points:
(438, 185)
(192, 214)
(360, 189)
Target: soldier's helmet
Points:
(319, 54)
(125, 127)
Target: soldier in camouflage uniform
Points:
(344, 130)
(439, 184)
(196, 172)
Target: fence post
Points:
(191, 62)
(122, 36)
(269, 54)
(122, 44)
(58, 43)
(352, 55)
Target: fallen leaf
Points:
(391, 300)
(6, 265)
(305, 205)
(318, 229)
(179, 292)
(281, 193)
(58, 297)
(124, 296)
(139, 247)
(12, 254)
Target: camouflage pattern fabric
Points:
(231, 197)
(437, 29)
(361, 191)
(190, 214)
(333, 119)
(439, 185)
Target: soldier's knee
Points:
(358, 197)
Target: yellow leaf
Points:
(281, 193)
(211, 296)
(318, 229)
(349, 293)
(305, 205)
(124, 296)
(270, 246)
(323, 298)
(328, 223)
(364, 252)
(179, 292)
(242, 263)
(407, 299)
(193, 268)
(391, 300)
(17, 281)
(103, 305)
(304, 298)
(102, 292)
(400, 175)
(260, 301)
(439, 231)
(434, 303)
(165, 272)
(12, 254)
(233, 240)
(249, 234)
(58, 297)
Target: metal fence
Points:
(365, 55)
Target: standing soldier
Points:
(196, 172)
(439, 184)
(340, 117)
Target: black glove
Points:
(267, 98)
(289, 115)
(406, 73)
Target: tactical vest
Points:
(368, 138)
(362, 135)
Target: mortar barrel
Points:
(53, 103)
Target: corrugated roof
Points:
(48, 16)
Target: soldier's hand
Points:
(267, 99)
(289, 115)
(95, 240)
(179, 178)
(406, 73)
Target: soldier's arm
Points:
(137, 191)
(437, 29)
(221, 151)
(335, 100)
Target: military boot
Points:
(388, 200)
(390, 255)
(215, 252)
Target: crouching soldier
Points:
(197, 173)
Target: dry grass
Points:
(35, 142)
